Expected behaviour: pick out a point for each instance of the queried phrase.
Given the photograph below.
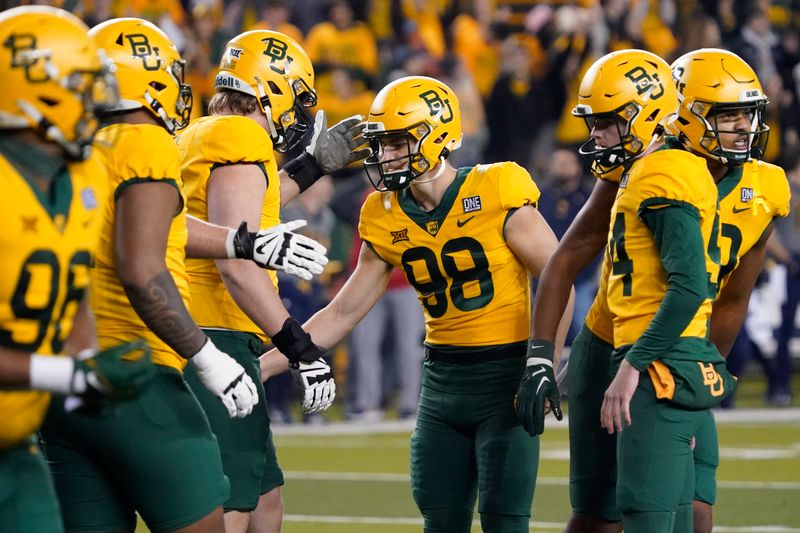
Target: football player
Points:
(653, 305)
(55, 82)
(264, 86)
(721, 119)
(468, 240)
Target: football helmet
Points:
(55, 80)
(420, 113)
(277, 71)
(711, 81)
(632, 87)
(150, 71)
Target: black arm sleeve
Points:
(676, 229)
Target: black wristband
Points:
(295, 343)
(304, 170)
(243, 242)
(541, 348)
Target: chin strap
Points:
(438, 173)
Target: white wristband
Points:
(229, 248)
(54, 373)
(207, 356)
(539, 361)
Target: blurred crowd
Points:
(515, 66)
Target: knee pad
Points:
(447, 520)
(649, 522)
(504, 523)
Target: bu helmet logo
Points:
(644, 82)
(140, 47)
(24, 55)
(437, 106)
(276, 51)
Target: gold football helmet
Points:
(150, 71)
(277, 71)
(634, 87)
(711, 81)
(420, 112)
(55, 81)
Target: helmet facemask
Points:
(607, 159)
(183, 103)
(757, 134)
(414, 164)
(95, 91)
(293, 124)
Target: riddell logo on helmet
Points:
(227, 81)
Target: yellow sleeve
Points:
(143, 153)
(236, 139)
(368, 212)
(776, 188)
(516, 186)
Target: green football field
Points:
(341, 482)
(348, 478)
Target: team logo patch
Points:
(235, 52)
(88, 198)
(399, 236)
(432, 227)
(746, 194)
(472, 203)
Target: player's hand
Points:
(538, 386)
(336, 147)
(316, 381)
(616, 407)
(226, 378)
(118, 372)
(295, 343)
(279, 248)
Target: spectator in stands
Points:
(785, 246)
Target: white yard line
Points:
(732, 416)
(388, 477)
(534, 525)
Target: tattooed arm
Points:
(144, 214)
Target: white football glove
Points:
(316, 380)
(279, 248)
(226, 378)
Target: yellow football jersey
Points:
(207, 143)
(136, 153)
(750, 197)
(474, 290)
(637, 281)
(46, 246)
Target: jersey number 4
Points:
(434, 292)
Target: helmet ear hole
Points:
(49, 102)
(652, 116)
(440, 139)
(273, 87)
(157, 86)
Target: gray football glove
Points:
(336, 147)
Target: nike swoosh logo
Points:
(460, 223)
(736, 210)
(541, 383)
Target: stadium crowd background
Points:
(515, 66)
